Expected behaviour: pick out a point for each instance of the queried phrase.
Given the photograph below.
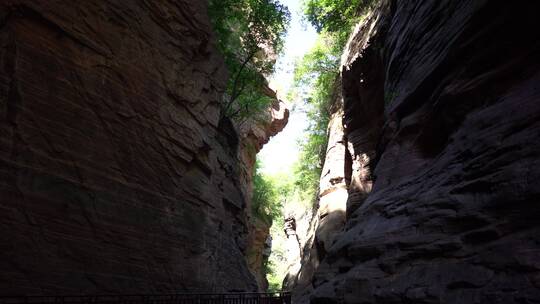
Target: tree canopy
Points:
(333, 15)
(250, 36)
(314, 79)
(269, 193)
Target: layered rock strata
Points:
(328, 218)
(116, 173)
(259, 249)
(442, 116)
(254, 134)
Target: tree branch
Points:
(234, 93)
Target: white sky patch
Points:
(282, 150)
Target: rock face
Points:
(254, 135)
(258, 250)
(330, 215)
(333, 185)
(116, 173)
(442, 120)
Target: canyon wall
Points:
(117, 174)
(441, 118)
(326, 220)
(254, 134)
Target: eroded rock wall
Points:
(116, 173)
(323, 223)
(442, 119)
(254, 134)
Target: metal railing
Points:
(225, 298)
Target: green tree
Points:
(268, 195)
(314, 83)
(250, 35)
(333, 15)
(335, 18)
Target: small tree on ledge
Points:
(250, 35)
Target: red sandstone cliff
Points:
(255, 133)
(441, 117)
(116, 175)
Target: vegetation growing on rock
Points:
(334, 16)
(315, 81)
(268, 193)
(250, 35)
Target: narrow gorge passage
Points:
(269, 151)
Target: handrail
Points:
(180, 298)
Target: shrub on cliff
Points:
(250, 35)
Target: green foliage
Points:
(269, 193)
(333, 15)
(274, 278)
(315, 82)
(335, 18)
(319, 64)
(250, 34)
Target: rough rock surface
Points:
(254, 135)
(442, 117)
(116, 173)
(333, 185)
(258, 250)
(329, 219)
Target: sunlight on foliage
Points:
(266, 202)
(274, 277)
(250, 36)
(315, 83)
(270, 193)
(333, 15)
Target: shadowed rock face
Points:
(442, 117)
(116, 175)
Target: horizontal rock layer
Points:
(442, 117)
(116, 173)
(254, 134)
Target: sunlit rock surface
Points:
(325, 224)
(116, 174)
(442, 119)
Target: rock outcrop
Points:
(116, 173)
(254, 134)
(330, 213)
(442, 120)
(259, 249)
